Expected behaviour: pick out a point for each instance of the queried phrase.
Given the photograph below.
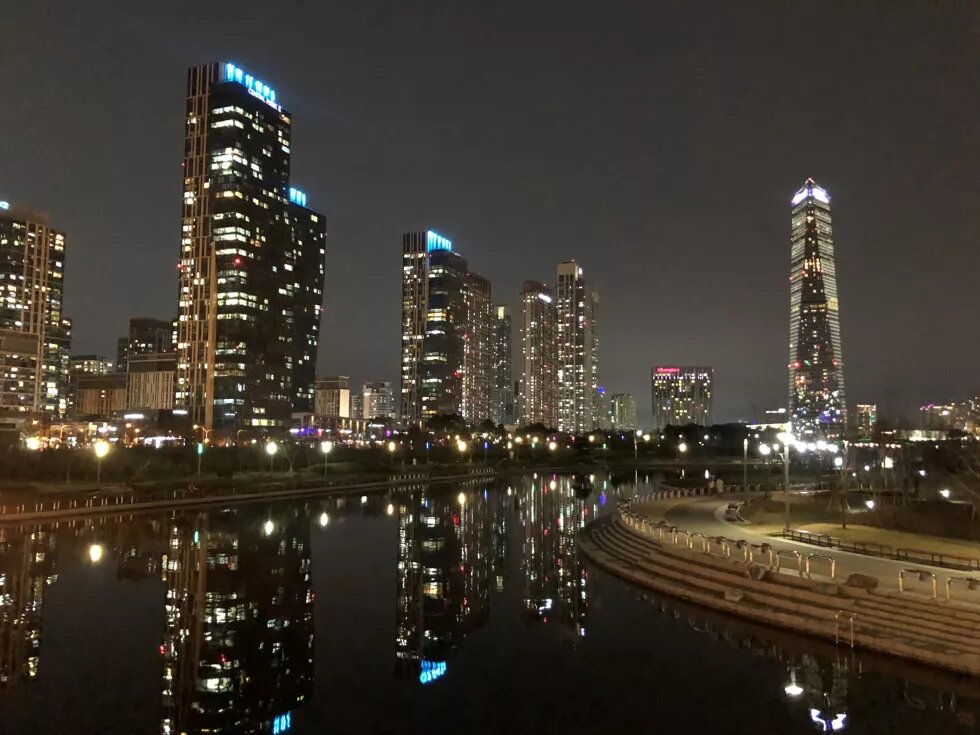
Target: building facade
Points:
(151, 380)
(622, 412)
(100, 396)
(867, 418)
(32, 274)
(816, 365)
(333, 399)
(145, 336)
(502, 406)
(415, 300)
(251, 260)
(538, 383)
(377, 400)
(681, 395)
(477, 350)
(576, 308)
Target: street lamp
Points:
(101, 449)
(765, 450)
(324, 519)
(745, 464)
(792, 689)
(945, 493)
(95, 553)
(682, 447)
(268, 527)
(552, 445)
(786, 438)
(271, 448)
(391, 451)
(461, 446)
(325, 447)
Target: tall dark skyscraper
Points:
(478, 350)
(539, 355)
(35, 337)
(503, 410)
(251, 260)
(576, 308)
(443, 349)
(816, 365)
(145, 336)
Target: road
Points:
(706, 516)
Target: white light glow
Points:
(324, 520)
(95, 553)
(268, 527)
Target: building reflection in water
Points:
(27, 568)
(556, 582)
(445, 558)
(238, 647)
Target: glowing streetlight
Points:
(390, 509)
(764, 450)
(792, 689)
(869, 504)
(325, 447)
(95, 553)
(271, 448)
(33, 443)
(462, 446)
(552, 445)
(945, 493)
(268, 527)
(101, 449)
(324, 519)
(838, 462)
(391, 451)
(682, 447)
(461, 498)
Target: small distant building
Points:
(357, 406)
(332, 397)
(866, 418)
(944, 416)
(622, 412)
(378, 400)
(100, 396)
(681, 395)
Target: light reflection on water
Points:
(460, 608)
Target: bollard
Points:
(833, 564)
(923, 576)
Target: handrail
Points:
(837, 620)
(833, 564)
(790, 552)
(971, 583)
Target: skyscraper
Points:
(681, 395)
(378, 400)
(816, 365)
(415, 300)
(538, 378)
(251, 260)
(477, 350)
(867, 417)
(576, 309)
(623, 412)
(502, 392)
(443, 348)
(32, 275)
(145, 336)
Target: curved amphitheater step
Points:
(944, 634)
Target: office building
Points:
(32, 276)
(816, 365)
(537, 398)
(502, 408)
(151, 380)
(84, 365)
(377, 400)
(622, 412)
(251, 260)
(357, 406)
(415, 303)
(576, 309)
(145, 336)
(99, 396)
(477, 350)
(681, 395)
(867, 417)
(333, 398)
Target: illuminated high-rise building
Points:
(576, 309)
(35, 337)
(867, 418)
(538, 391)
(503, 410)
(681, 395)
(816, 364)
(446, 332)
(377, 400)
(623, 412)
(251, 260)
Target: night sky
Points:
(658, 143)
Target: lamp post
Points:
(786, 438)
(391, 451)
(101, 449)
(764, 450)
(839, 465)
(534, 444)
(271, 448)
(745, 464)
(462, 446)
(200, 455)
(325, 447)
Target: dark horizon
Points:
(659, 147)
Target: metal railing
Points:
(923, 575)
(821, 557)
(884, 551)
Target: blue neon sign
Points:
(282, 723)
(297, 197)
(435, 241)
(232, 73)
(432, 670)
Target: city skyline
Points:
(650, 256)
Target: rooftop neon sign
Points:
(435, 241)
(297, 197)
(232, 73)
(668, 370)
(811, 190)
